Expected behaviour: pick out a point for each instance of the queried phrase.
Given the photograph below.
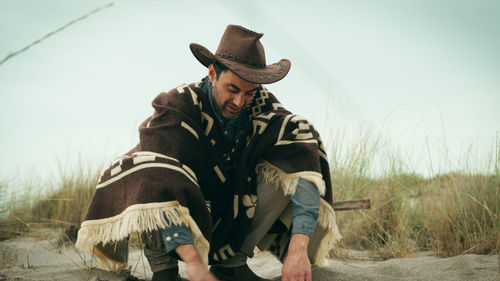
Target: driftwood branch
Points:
(349, 205)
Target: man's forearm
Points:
(305, 207)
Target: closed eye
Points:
(233, 89)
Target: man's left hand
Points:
(297, 266)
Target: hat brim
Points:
(259, 75)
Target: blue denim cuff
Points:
(305, 207)
(303, 225)
(176, 235)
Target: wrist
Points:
(188, 254)
(298, 243)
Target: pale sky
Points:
(423, 74)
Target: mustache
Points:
(233, 105)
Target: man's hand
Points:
(195, 268)
(297, 266)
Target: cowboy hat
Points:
(241, 52)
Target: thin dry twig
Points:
(11, 55)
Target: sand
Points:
(41, 258)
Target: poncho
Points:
(176, 176)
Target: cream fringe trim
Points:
(288, 182)
(137, 218)
(326, 219)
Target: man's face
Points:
(230, 93)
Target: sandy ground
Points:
(40, 258)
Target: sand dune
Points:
(42, 259)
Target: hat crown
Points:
(242, 45)
(241, 51)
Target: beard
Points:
(223, 110)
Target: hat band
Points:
(239, 59)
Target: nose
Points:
(238, 100)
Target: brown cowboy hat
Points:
(241, 52)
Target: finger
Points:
(287, 277)
(308, 276)
(303, 276)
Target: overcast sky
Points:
(424, 74)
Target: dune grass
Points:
(450, 214)
(56, 203)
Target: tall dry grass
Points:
(58, 202)
(450, 214)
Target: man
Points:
(221, 167)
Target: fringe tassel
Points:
(138, 218)
(288, 182)
(326, 220)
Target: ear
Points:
(211, 73)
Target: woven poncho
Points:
(174, 175)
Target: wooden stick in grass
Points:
(349, 205)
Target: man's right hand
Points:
(195, 268)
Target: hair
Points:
(219, 68)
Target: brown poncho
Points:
(175, 175)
